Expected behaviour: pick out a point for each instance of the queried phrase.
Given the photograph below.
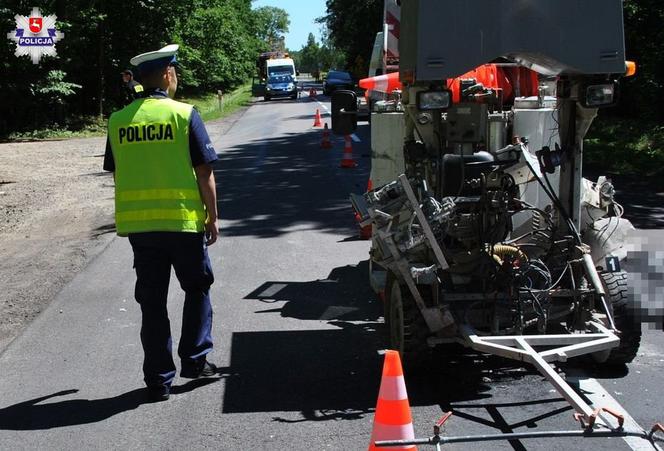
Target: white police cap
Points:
(157, 59)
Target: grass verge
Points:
(211, 108)
(88, 127)
(80, 127)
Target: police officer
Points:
(165, 202)
(132, 89)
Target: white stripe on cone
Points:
(381, 83)
(383, 432)
(393, 388)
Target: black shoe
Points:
(207, 369)
(158, 393)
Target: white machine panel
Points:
(387, 138)
(540, 126)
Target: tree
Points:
(218, 38)
(222, 62)
(52, 92)
(271, 24)
(352, 27)
(644, 35)
(310, 55)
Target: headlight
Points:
(290, 86)
(434, 100)
(269, 87)
(597, 96)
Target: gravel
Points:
(56, 212)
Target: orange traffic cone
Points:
(382, 83)
(325, 143)
(392, 420)
(317, 120)
(347, 162)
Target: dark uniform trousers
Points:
(154, 254)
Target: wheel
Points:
(624, 316)
(293, 97)
(266, 98)
(406, 328)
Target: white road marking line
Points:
(272, 290)
(355, 138)
(599, 397)
(323, 106)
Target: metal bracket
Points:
(593, 417)
(438, 252)
(432, 316)
(520, 347)
(441, 422)
(658, 427)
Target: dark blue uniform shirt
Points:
(200, 146)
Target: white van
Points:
(281, 66)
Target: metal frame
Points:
(432, 316)
(437, 440)
(438, 252)
(521, 348)
(588, 431)
(558, 347)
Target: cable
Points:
(556, 283)
(556, 200)
(560, 279)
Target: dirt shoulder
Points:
(56, 214)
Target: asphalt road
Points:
(297, 331)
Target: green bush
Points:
(626, 146)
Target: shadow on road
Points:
(33, 415)
(324, 115)
(335, 374)
(268, 187)
(345, 295)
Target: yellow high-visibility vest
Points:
(155, 184)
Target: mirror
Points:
(344, 112)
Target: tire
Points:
(267, 98)
(624, 316)
(407, 331)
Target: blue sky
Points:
(302, 15)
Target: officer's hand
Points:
(211, 231)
